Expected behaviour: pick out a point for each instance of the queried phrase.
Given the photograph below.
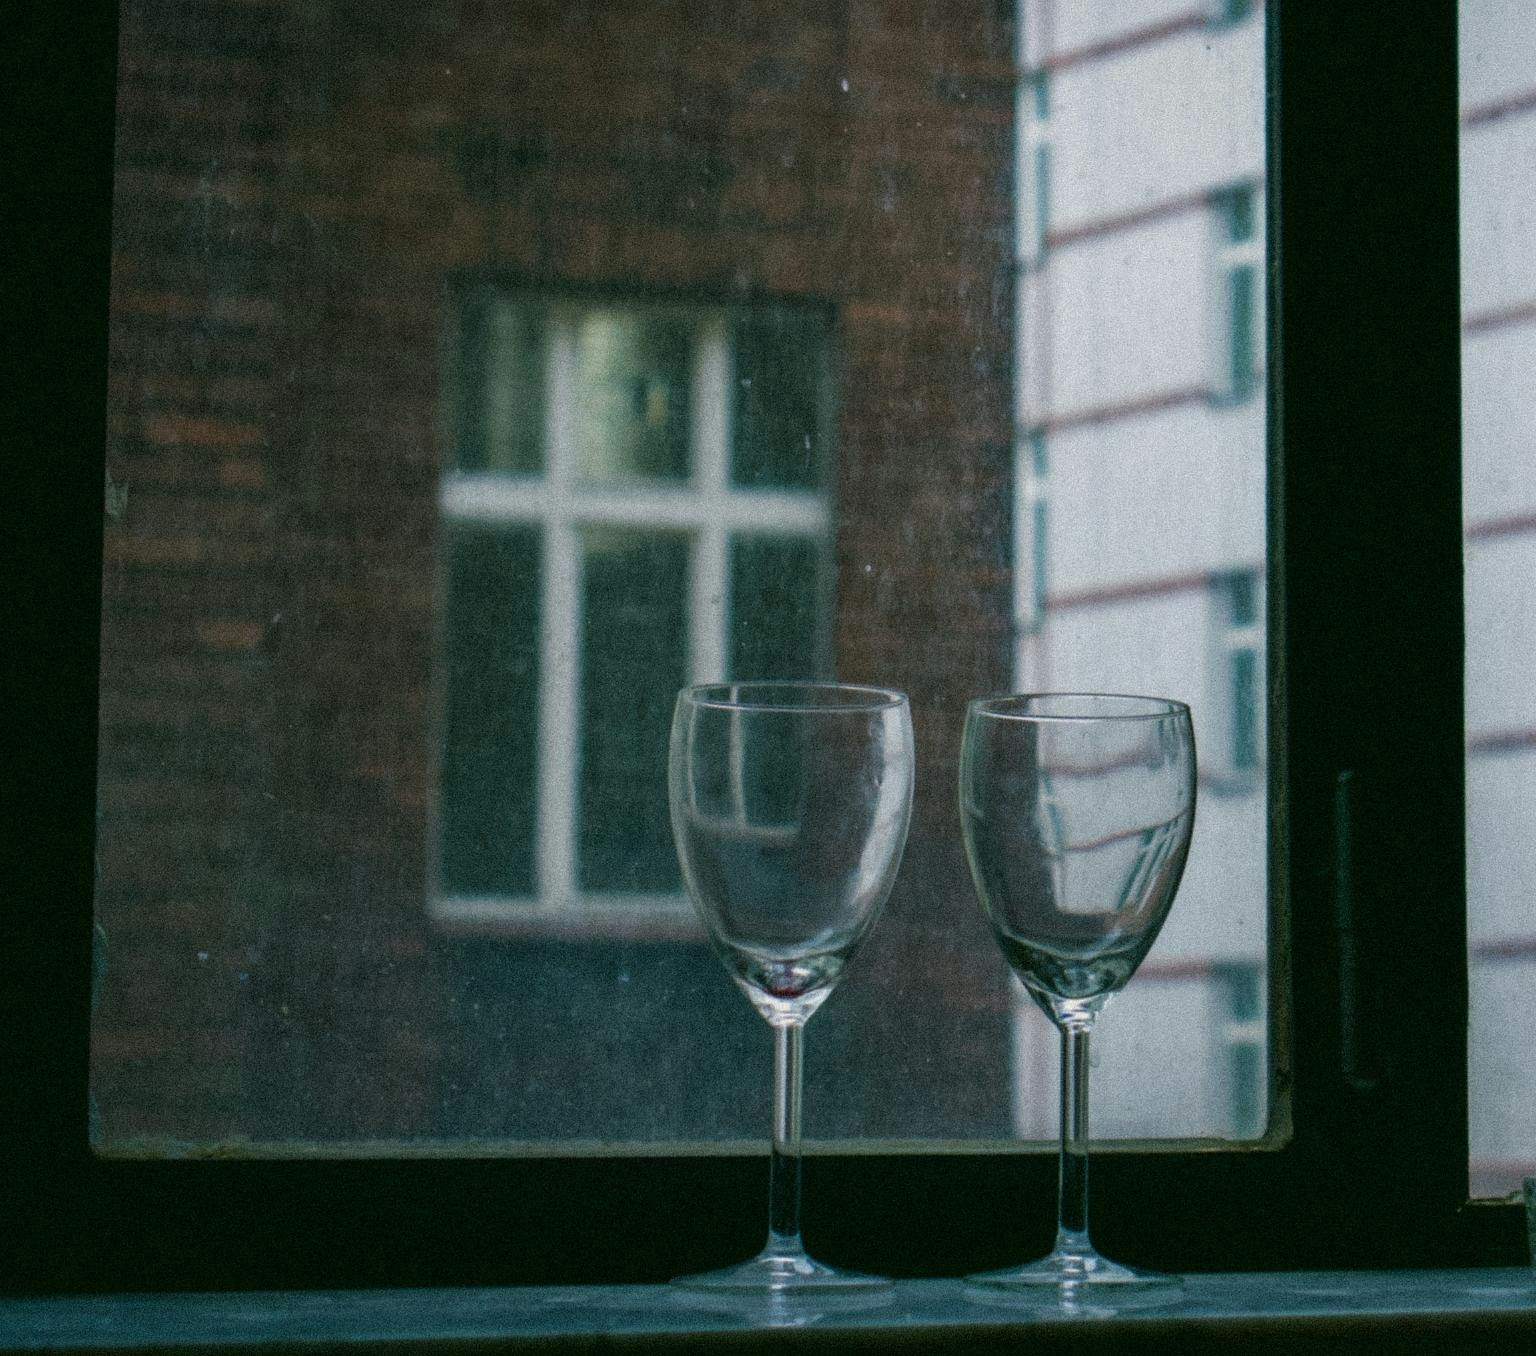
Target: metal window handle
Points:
(1355, 1064)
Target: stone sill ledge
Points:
(1492, 1310)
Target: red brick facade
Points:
(299, 182)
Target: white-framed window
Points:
(1237, 678)
(636, 500)
(1032, 168)
(1030, 532)
(1220, 12)
(1237, 250)
(1242, 1036)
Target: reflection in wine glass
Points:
(1077, 812)
(790, 804)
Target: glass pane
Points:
(632, 376)
(475, 386)
(634, 657)
(502, 402)
(779, 392)
(491, 684)
(776, 609)
(1498, 249)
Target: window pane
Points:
(479, 378)
(632, 372)
(775, 609)
(1246, 708)
(633, 660)
(1240, 300)
(490, 747)
(779, 393)
(502, 401)
(1498, 247)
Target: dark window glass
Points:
(634, 658)
(1040, 513)
(774, 631)
(490, 749)
(776, 392)
(501, 424)
(1241, 328)
(1242, 594)
(1245, 709)
(1240, 215)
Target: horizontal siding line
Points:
(1188, 21)
(1130, 591)
(1511, 525)
(1161, 586)
(1511, 105)
(1519, 313)
(1193, 967)
(1501, 741)
(1124, 409)
(1060, 236)
(1505, 949)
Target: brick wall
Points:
(298, 184)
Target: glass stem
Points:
(784, 1161)
(1072, 1175)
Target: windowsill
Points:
(1496, 1309)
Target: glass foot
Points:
(1082, 1281)
(784, 1288)
(780, 1272)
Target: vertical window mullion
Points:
(710, 425)
(560, 637)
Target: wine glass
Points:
(790, 804)
(1076, 811)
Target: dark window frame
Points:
(1365, 625)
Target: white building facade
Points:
(1140, 523)
(1498, 251)
(1140, 531)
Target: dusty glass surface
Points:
(1498, 272)
(481, 375)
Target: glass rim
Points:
(780, 695)
(1119, 706)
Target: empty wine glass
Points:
(1076, 811)
(790, 804)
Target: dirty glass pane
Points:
(491, 650)
(1498, 271)
(502, 360)
(634, 657)
(775, 577)
(779, 397)
(481, 374)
